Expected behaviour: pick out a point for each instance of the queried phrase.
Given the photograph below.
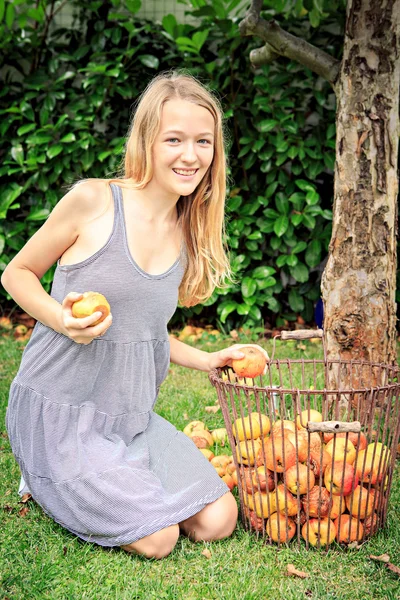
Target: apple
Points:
(219, 436)
(283, 424)
(252, 364)
(301, 437)
(201, 438)
(246, 478)
(343, 449)
(360, 502)
(280, 528)
(263, 478)
(317, 503)
(207, 453)
(193, 425)
(280, 454)
(348, 528)
(338, 506)
(253, 426)
(247, 450)
(340, 479)
(314, 462)
(366, 466)
(286, 503)
(308, 415)
(299, 479)
(264, 503)
(256, 523)
(319, 532)
(371, 524)
(361, 442)
(228, 480)
(315, 442)
(90, 303)
(382, 454)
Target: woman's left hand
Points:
(223, 358)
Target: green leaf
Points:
(67, 139)
(249, 287)
(281, 225)
(281, 260)
(313, 253)
(149, 60)
(17, 152)
(267, 125)
(25, 128)
(54, 151)
(226, 308)
(2, 243)
(38, 214)
(312, 198)
(262, 272)
(299, 247)
(299, 272)
(296, 219)
(255, 312)
(10, 14)
(296, 302)
(169, 23)
(243, 309)
(292, 260)
(2, 11)
(268, 282)
(199, 38)
(133, 5)
(306, 186)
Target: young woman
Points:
(80, 418)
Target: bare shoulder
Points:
(86, 200)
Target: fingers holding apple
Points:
(247, 360)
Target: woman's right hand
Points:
(81, 331)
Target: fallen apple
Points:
(207, 453)
(252, 364)
(90, 303)
(193, 425)
(219, 436)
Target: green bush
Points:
(66, 105)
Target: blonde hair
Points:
(201, 214)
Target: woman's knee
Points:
(157, 545)
(215, 521)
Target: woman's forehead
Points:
(178, 114)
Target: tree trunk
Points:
(359, 281)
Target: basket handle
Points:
(334, 427)
(302, 334)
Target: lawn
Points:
(40, 560)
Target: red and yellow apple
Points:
(280, 454)
(319, 532)
(348, 528)
(340, 479)
(299, 479)
(341, 450)
(250, 427)
(252, 364)
(247, 450)
(360, 502)
(90, 303)
(280, 528)
(308, 415)
(317, 503)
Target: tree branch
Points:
(281, 43)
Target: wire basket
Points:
(313, 464)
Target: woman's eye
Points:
(204, 142)
(173, 140)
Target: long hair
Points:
(201, 214)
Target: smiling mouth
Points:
(185, 172)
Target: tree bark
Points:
(359, 281)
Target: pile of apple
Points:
(216, 439)
(329, 484)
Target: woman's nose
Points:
(188, 153)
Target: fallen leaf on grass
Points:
(381, 558)
(385, 558)
(25, 498)
(24, 511)
(206, 553)
(212, 409)
(291, 570)
(7, 508)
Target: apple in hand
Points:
(252, 364)
(90, 303)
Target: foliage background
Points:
(66, 101)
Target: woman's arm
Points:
(21, 278)
(187, 356)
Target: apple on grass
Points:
(319, 532)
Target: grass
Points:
(40, 560)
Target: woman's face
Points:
(184, 147)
